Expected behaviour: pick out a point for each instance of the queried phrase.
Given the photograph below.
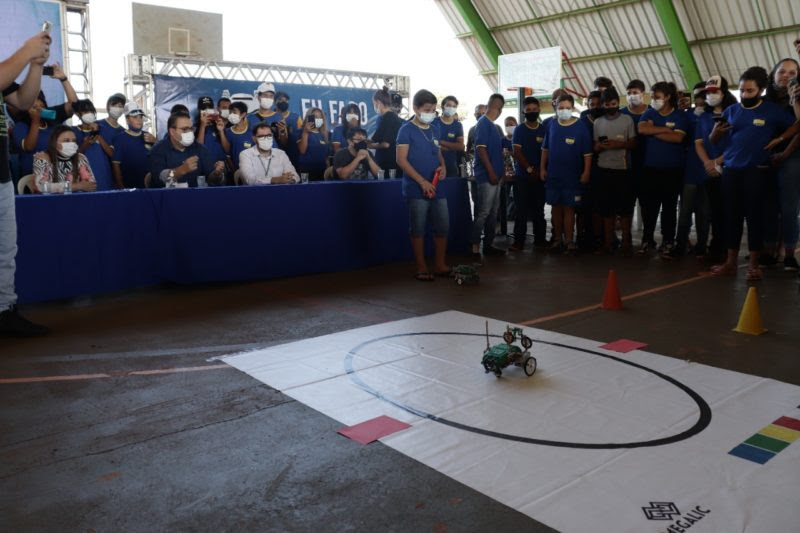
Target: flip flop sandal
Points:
(722, 270)
(754, 274)
(423, 276)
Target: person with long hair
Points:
(62, 163)
(313, 145)
(350, 119)
(385, 137)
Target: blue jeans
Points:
(420, 209)
(8, 245)
(485, 213)
(789, 185)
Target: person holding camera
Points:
(265, 163)
(95, 144)
(355, 162)
(313, 146)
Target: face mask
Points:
(510, 130)
(564, 114)
(265, 103)
(427, 118)
(187, 138)
(360, 145)
(115, 111)
(610, 111)
(234, 119)
(449, 111)
(282, 106)
(750, 102)
(68, 149)
(135, 130)
(351, 117)
(597, 112)
(699, 110)
(657, 104)
(714, 99)
(318, 123)
(532, 116)
(635, 99)
(265, 143)
(225, 113)
(88, 118)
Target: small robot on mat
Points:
(499, 356)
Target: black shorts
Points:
(614, 192)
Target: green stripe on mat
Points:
(766, 443)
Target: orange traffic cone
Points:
(611, 299)
(750, 317)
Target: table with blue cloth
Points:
(92, 243)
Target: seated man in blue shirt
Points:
(178, 158)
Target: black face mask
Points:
(360, 145)
(597, 112)
(282, 106)
(750, 102)
(611, 110)
(532, 116)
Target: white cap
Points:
(132, 108)
(266, 87)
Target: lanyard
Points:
(266, 169)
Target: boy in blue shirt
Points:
(95, 144)
(566, 167)
(131, 161)
(109, 126)
(489, 167)
(420, 158)
(528, 188)
(239, 136)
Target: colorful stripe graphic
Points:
(765, 444)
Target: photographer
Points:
(211, 129)
(313, 146)
(355, 162)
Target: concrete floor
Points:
(214, 450)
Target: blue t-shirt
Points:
(239, 143)
(314, 160)
(703, 133)
(530, 141)
(339, 135)
(450, 133)
(21, 130)
(694, 173)
(164, 156)
(508, 144)
(637, 155)
(254, 118)
(212, 142)
(423, 155)
(753, 128)
(98, 160)
(566, 146)
(486, 135)
(133, 157)
(588, 122)
(108, 131)
(661, 154)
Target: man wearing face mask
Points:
(178, 159)
(480, 109)
(110, 126)
(224, 107)
(451, 135)
(265, 95)
(528, 188)
(95, 143)
(355, 162)
(289, 125)
(265, 163)
(132, 151)
(238, 134)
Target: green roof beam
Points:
(677, 38)
(478, 29)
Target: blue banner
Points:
(170, 90)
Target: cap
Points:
(226, 94)
(205, 101)
(132, 108)
(714, 82)
(266, 87)
(118, 96)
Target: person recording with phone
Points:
(95, 144)
(211, 129)
(313, 146)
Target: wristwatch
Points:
(529, 169)
(171, 175)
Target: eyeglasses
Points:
(264, 137)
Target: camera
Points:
(47, 71)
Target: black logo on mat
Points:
(661, 511)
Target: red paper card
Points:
(374, 429)
(624, 345)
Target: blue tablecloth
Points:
(83, 244)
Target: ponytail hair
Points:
(383, 96)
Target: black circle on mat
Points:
(703, 420)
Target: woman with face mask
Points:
(351, 119)
(94, 144)
(451, 135)
(62, 163)
(110, 126)
(749, 125)
(312, 146)
(665, 128)
(384, 139)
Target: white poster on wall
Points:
(536, 69)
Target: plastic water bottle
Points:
(67, 187)
(201, 181)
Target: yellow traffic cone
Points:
(750, 318)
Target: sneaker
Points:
(492, 251)
(646, 248)
(12, 324)
(767, 260)
(790, 264)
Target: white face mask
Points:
(68, 149)
(318, 123)
(225, 113)
(510, 130)
(449, 111)
(234, 119)
(187, 138)
(564, 114)
(115, 111)
(265, 143)
(635, 99)
(427, 118)
(714, 99)
(657, 104)
(351, 117)
(88, 118)
(699, 110)
(266, 103)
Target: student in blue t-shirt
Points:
(350, 119)
(211, 130)
(528, 188)
(566, 167)
(750, 125)
(665, 127)
(109, 126)
(95, 144)
(451, 135)
(131, 161)
(238, 135)
(312, 145)
(489, 169)
(265, 94)
(419, 157)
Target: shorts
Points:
(614, 192)
(422, 209)
(563, 195)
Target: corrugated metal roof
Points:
(625, 40)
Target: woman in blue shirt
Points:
(750, 125)
(211, 130)
(665, 127)
(351, 118)
(312, 145)
(419, 157)
(451, 135)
